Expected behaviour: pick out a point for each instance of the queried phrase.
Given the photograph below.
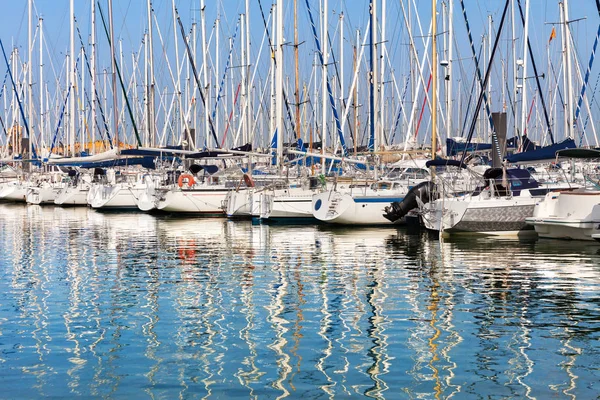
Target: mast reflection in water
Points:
(125, 305)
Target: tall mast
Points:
(381, 87)
(151, 84)
(297, 77)
(342, 108)
(324, 81)
(248, 83)
(279, 83)
(524, 77)
(71, 141)
(244, 86)
(514, 64)
(355, 96)
(373, 74)
(272, 111)
(29, 80)
(93, 75)
(146, 140)
(183, 121)
(114, 74)
(40, 24)
(433, 79)
(449, 68)
(82, 123)
(489, 88)
(205, 65)
(569, 115)
(217, 69)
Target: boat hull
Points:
(571, 215)
(194, 201)
(493, 216)
(346, 209)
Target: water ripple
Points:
(113, 305)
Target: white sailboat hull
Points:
(116, 197)
(491, 216)
(207, 201)
(344, 208)
(72, 196)
(14, 191)
(42, 195)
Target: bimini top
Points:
(578, 153)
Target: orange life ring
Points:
(248, 180)
(188, 177)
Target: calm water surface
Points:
(138, 306)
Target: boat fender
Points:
(186, 177)
(248, 180)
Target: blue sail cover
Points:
(146, 162)
(454, 148)
(541, 153)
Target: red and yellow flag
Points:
(552, 34)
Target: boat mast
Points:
(93, 75)
(297, 77)
(205, 64)
(244, 85)
(40, 26)
(279, 83)
(324, 82)
(342, 107)
(273, 107)
(151, 84)
(114, 75)
(434, 79)
(569, 115)
(381, 109)
(71, 141)
(514, 64)
(30, 81)
(563, 22)
(524, 72)
(217, 69)
(449, 68)
(355, 95)
(373, 74)
(82, 122)
(248, 106)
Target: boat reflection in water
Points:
(115, 305)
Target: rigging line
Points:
(224, 77)
(127, 103)
(592, 101)
(3, 84)
(485, 81)
(587, 76)
(462, 133)
(401, 110)
(337, 74)
(483, 90)
(195, 72)
(15, 90)
(3, 126)
(62, 114)
(237, 92)
(98, 102)
(285, 98)
(329, 91)
(537, 78)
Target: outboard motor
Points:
(398, 209)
